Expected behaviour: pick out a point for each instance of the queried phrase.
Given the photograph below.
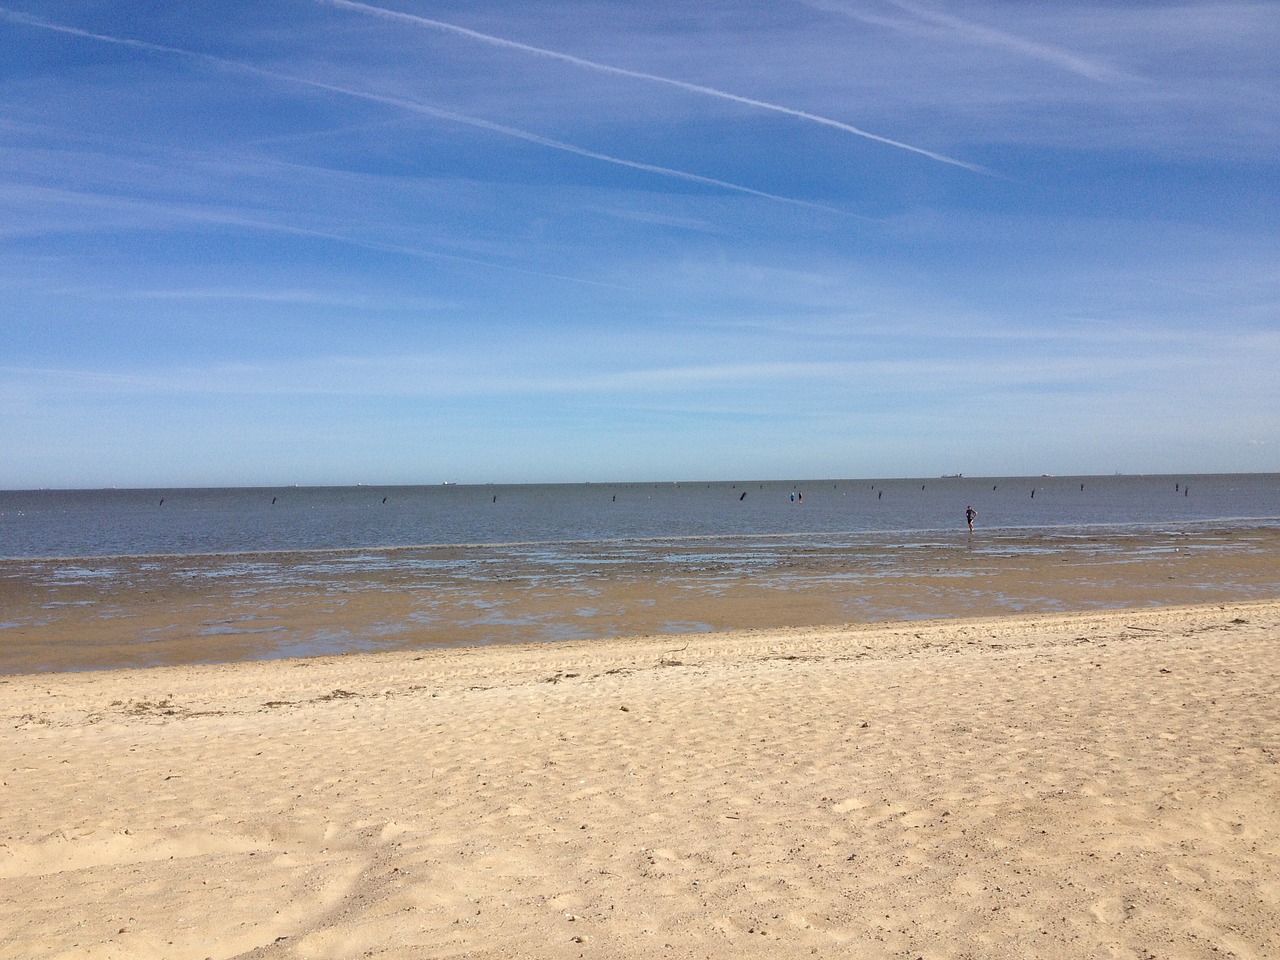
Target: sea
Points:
(160, 522)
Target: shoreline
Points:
(130, 612)
(1063, 785)
(852, 538)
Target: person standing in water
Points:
(969, 514)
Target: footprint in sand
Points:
(1111, 910)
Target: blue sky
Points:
(334, 242)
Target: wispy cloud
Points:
(166, 215)
(651, 77)
(428, 110)
(656, 219)
(992, 37)
(456, 374)
(283, 295)
(977, 33)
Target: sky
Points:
(334, 242)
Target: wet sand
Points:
(58, 615)
(1098, 784)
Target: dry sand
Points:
(1096, 784)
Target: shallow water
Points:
(104, 523)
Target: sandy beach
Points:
(1096, 784)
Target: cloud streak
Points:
(287, 296)
(423, 109)
(979, 34)
(697, 88)
(989, 36)
(450, 375)
(182, 213)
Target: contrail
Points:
(639, 75)
(424, 109)
(999, 38)
(31, 21)
(974, 32)
(519, 134)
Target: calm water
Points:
(103, 523)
